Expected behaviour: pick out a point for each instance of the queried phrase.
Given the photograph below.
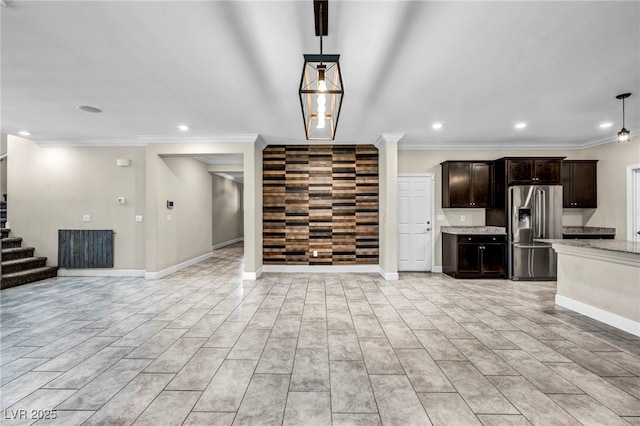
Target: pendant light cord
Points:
(623, 113)
(321, 29)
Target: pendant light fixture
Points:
(321, 90)
(623, 135)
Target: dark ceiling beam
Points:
(325, 16)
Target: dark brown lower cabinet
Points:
(474, 256)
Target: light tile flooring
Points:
(202, 347)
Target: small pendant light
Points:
(623, 135)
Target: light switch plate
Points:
(169, 218)
(138, 218)
(462, 218)
(86, 218)
(315, 253)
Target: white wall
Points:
(612, 181)
(227, 210)
(3, 164)
(52, 188)
(187, 183)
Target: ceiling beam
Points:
(317, 4)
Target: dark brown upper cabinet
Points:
(528, 171)
(467, 184)
(579, 184)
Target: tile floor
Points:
(202, 347)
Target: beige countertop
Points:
(473, 230)
(620, 246)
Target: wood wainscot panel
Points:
(320, 198)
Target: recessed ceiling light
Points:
(437, 126)
(183, 127)
(24, 133)
(605, 125)
(89, 108)
(520, 125)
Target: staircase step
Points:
(12, 242)
(25, 277)
(4, 232)
(17, 253)
(11, 266)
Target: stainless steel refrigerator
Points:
(535, 211)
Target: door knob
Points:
(429, 229)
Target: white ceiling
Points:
(233, 68)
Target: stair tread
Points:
(22, 260)
(11, 239)
(16, 249)
(30, 272)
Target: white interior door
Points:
(415, 224)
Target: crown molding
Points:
(483, 147)
(95, 142)
(240, 138)
(388, 137)
(609, 138)
(260, 142)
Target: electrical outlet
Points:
(86, 218)
(440, 218)
(138, 218)
(462, 218)
(315, 253)
(169, 218)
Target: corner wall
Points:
(227, 210)
(156, 203)
(52, 188)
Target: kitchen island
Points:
(600, 279)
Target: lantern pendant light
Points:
(623, 135)
(321, 90)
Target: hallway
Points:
(203, 347)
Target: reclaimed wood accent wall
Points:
(320, 197)
(84, 248)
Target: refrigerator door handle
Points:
(540, 212)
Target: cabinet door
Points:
(459, 185)
(469, 258)
(567, 187)
(584, 185)
(547, 171)
(519, 171)
(493, 259)
(481, 189)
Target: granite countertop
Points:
(620, 246)
(578, 230)
(471, 230)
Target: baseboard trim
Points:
(63, 272)
(176, 268)
(322, 269)
(226, 243)
(437, 269)
(252, 276)
(388, 276)
(622, 323)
